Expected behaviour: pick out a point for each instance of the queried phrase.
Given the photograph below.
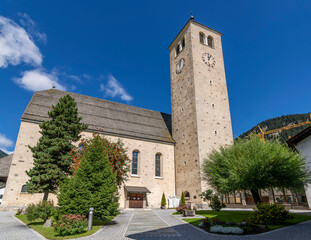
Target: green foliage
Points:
(163, 200)
(279, 122)
(92, 185)
(182, 199)
(207, 195)
(251, 164)
(70, 224)
(52, 160)
(43, 210)
(216, 204)
(117, 157)
(270, 214)
(214, 200)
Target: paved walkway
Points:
(12, 229)
(151, 224)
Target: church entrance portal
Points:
(136, 200)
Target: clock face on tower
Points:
(180, 65)
(208, 59)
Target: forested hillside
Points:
(279, 122)
(2, 154)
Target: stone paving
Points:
(154, 225)
(12, 229)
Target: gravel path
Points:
(153, 225)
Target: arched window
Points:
(158, 157)
(180, 46)
(210, 41)
(187, 195)
(135, 156)
(202, 37)
(24, 189)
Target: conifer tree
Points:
(52, 159)
(163, 200)
(93, 184)
(182, 199)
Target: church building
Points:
(167, 151)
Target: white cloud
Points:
(5, 143)
(114, 89)
(31, 27)
(38, 80)
(16, 45)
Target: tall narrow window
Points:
(158, 165)
(210, 41)
(202, 38)
(180, 46)
(135, 163)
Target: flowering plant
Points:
(70, 224)
(182, 207)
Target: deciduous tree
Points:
(251, 164)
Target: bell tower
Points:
(201, 118)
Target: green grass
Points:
(49, 233)
(238, 216)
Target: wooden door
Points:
(136, 200)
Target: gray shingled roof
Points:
(113, 118)
(5, 164)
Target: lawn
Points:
(238, 216)
(49, 233)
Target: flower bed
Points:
(215, 225)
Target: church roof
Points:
(5, 163)
(111, 118)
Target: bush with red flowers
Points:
(70, 224)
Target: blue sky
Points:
(117, 50)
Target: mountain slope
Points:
(2, 154)
(278, 122)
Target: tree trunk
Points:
(45, 196)
(273, 195)
(256, 196)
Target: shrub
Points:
(43, 210)
(163, 200)
(226, 230)
(182, 199)
(19, 211)
(182, 207)
(70, 224)
(269, 214)
(215, 202)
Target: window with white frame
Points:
(158, 161)
(135, 157)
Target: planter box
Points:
(188, 213)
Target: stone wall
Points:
(22, 161)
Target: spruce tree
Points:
(52, 159)
(93, 184)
